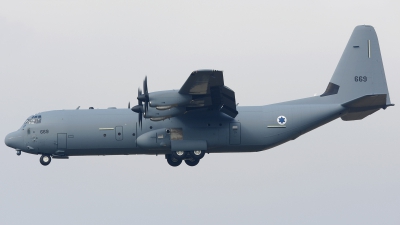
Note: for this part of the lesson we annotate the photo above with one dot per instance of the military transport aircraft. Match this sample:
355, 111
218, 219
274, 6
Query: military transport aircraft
203, 117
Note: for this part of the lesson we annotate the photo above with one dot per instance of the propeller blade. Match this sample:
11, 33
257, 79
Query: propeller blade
146, 95
142, 97
146, 91
139, 97
140, 120
129, 105
139, 108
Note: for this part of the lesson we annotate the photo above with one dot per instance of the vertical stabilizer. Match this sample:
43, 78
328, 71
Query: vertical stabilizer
360, 70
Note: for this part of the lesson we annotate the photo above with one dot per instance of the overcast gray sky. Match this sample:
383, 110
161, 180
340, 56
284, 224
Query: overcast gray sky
64, 54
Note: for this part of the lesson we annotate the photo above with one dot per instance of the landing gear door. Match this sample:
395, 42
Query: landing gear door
234, 133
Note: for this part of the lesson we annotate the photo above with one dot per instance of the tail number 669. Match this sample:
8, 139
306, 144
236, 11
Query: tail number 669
360, 79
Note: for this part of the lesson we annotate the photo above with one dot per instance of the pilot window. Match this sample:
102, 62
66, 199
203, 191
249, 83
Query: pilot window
33, 120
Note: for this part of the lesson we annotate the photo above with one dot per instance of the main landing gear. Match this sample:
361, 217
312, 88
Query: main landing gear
45, 160
192, 158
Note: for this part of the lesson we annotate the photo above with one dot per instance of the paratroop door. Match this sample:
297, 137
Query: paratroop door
61, 141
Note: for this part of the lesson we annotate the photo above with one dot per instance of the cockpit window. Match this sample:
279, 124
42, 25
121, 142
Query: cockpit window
33, 120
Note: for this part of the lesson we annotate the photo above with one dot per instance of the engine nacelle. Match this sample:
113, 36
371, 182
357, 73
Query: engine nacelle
166, 99
155, 139
157, 115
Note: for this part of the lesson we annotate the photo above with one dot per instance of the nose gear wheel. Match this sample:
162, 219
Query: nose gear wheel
45, 160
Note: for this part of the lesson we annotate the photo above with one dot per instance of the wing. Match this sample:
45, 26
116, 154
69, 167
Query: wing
208, 91
201, 81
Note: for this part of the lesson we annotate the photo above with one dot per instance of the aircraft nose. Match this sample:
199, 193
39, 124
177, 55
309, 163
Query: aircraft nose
13, 140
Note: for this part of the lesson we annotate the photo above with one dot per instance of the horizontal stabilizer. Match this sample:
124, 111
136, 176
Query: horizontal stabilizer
362, 107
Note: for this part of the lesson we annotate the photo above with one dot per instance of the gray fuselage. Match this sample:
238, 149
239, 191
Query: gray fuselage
115, 131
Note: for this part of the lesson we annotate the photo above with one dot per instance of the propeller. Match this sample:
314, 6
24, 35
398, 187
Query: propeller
145, 96
139, 108
142, 98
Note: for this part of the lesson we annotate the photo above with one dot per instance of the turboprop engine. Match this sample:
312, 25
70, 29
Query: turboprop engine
162, 100
163, 108
163, 104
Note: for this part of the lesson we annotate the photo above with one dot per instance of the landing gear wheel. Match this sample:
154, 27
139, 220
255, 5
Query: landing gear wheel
192, 162
45, 160
178, 154
197, 154
173, 161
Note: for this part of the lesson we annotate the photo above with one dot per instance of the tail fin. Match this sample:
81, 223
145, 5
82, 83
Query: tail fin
359, 81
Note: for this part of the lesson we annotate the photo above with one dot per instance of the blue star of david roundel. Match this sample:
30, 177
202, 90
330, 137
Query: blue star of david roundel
281, 120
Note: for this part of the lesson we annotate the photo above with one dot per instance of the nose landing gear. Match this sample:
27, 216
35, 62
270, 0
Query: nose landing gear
18, 152
45, 160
